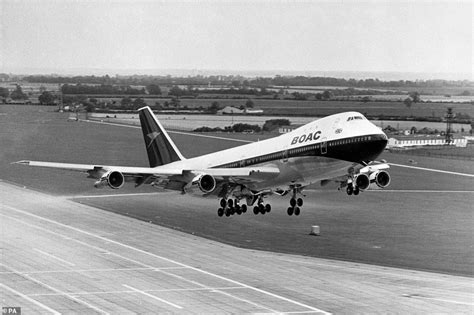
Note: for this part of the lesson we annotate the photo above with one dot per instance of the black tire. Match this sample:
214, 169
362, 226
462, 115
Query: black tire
261, 208
299, 202
292, 202
356, 191
238, 211
268, 208
227, 212
223, 203
255, 210
244, 208
349, 190
290, 211
297, 211
220, 212
230, 203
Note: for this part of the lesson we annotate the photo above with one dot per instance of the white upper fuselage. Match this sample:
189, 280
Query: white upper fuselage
319, 150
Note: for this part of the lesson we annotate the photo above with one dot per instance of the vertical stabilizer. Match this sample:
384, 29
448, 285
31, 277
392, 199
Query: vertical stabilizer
159, 146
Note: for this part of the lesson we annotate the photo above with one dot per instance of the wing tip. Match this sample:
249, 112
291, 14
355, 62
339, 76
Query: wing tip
22, 162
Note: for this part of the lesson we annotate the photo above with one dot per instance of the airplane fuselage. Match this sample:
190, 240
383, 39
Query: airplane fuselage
320, 150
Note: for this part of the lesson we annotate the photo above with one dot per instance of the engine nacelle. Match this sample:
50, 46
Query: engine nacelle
205, 182
113, 179
381, 178
362, 181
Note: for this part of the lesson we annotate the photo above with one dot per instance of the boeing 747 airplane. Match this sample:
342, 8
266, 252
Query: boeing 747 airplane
341, 148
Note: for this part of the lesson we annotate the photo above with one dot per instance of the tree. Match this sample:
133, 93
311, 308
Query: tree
89, 107
408, 102
18, 94
46, 98
176, 91
415, 97
126, 101
249, 103
138, 102
4, 92
153, 89
327, 95
175, 102
215, 106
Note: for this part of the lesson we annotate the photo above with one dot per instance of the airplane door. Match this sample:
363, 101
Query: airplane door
285, 156
324, 146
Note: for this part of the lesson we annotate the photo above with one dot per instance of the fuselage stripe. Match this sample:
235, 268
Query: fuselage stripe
347, 149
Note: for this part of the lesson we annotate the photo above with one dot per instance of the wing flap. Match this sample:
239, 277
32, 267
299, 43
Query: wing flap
238, 172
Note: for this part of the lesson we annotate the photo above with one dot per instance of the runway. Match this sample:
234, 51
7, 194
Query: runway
59, 256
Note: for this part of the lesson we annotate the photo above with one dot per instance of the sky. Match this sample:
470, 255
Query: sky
77, 36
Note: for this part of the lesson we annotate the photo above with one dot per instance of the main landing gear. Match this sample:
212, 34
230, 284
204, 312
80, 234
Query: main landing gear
230, 207
295, 203
261, 208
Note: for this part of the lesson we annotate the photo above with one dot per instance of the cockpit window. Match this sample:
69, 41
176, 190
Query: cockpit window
355, 118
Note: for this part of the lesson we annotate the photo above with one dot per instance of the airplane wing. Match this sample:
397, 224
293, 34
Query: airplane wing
148, 175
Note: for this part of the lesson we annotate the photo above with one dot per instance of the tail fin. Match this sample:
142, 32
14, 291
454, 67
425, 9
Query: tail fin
159, 146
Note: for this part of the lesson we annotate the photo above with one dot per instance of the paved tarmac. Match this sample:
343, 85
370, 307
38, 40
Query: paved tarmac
59, 256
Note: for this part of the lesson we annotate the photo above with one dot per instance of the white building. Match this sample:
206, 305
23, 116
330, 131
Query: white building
423, 140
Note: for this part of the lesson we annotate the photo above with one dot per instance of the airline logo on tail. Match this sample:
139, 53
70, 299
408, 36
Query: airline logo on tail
152, 137
160, 148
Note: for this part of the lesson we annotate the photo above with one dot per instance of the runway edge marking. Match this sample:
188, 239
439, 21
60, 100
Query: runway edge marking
45, 307
66, 294
168, 260
152, 296
432, 170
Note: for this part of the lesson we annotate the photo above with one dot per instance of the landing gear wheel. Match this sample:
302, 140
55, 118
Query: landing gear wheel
292, 202
244, 208
349, 189
290, 211
268, 208
255, 210
227, 213
297, 211
238, 211
220, 212
356, 191
230, 203
223, 203
261, 208
299, 202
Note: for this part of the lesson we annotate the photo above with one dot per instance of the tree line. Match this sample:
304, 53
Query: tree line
239, 81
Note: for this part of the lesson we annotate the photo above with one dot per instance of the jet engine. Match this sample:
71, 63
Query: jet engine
205, 182
113, 179
362, 181
381, 178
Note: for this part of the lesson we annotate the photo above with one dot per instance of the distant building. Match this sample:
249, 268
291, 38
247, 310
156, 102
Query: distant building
423, 140
286, 129
230, 110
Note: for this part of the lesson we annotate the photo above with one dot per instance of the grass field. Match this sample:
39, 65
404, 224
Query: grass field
323, 108
423, 221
